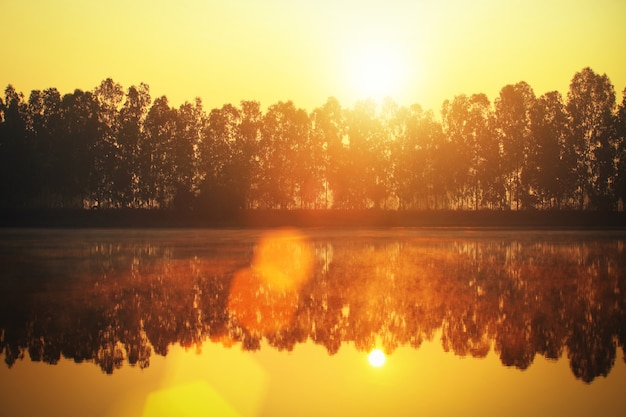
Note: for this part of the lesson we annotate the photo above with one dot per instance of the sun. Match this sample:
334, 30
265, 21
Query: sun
376, 70
377, 358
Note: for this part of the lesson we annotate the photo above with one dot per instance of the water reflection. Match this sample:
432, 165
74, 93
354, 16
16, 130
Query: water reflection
110, 298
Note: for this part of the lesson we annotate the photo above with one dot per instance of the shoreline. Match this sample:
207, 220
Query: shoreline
145, 218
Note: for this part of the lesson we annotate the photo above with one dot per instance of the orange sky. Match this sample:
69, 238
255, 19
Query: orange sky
422, 51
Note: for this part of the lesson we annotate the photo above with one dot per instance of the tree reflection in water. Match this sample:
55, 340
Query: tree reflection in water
522, 295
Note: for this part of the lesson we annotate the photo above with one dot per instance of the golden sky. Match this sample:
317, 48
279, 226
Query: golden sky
420, 51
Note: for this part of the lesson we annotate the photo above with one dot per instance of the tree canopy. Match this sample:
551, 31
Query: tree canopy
111, 148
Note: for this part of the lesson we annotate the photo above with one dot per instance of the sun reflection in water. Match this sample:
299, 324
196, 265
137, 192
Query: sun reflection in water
377, 358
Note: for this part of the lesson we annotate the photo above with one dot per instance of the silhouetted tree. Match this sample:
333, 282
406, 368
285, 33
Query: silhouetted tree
328, 129
76, 148
466, 126
282, 151
219, 185
189, 121
367, 153
620, 131
247, 158
156, 156
414, 152
551, 163
109, 95
131, 117
591, 105
513, 110
45, 128
15, 156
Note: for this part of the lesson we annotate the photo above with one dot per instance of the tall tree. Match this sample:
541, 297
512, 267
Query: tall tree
189, 120
414, 156
131, 118
313, 162
620, 130
591, 106
77, 146
513, 109
466, 125
248, 160
551, 163
392, 117
367, 152
490, 173
283, 160
14, 154
156, 155
45, 127
228, 157
220, 189
109, 95
328, 130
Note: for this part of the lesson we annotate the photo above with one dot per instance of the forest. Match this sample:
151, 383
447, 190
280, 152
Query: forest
111, 148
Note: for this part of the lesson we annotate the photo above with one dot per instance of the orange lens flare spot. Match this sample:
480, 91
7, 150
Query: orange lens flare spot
284, 259
264, 297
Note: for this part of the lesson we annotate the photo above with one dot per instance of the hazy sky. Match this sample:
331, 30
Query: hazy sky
418, 51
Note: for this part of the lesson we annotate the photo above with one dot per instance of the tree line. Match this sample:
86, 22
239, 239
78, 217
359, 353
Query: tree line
111, 148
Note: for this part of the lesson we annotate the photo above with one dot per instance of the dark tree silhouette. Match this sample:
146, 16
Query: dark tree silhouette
591, 106
551, 163
513, 113
620, 134
108, 149
109, 95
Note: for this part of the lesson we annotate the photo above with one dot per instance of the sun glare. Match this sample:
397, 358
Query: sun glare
376, 70
377, 358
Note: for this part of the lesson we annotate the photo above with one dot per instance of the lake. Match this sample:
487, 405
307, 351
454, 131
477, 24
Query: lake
259, 322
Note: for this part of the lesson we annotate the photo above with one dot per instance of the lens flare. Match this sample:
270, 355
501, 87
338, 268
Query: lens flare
264, 297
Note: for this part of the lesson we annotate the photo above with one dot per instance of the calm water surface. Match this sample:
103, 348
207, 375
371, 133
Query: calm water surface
281, 322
